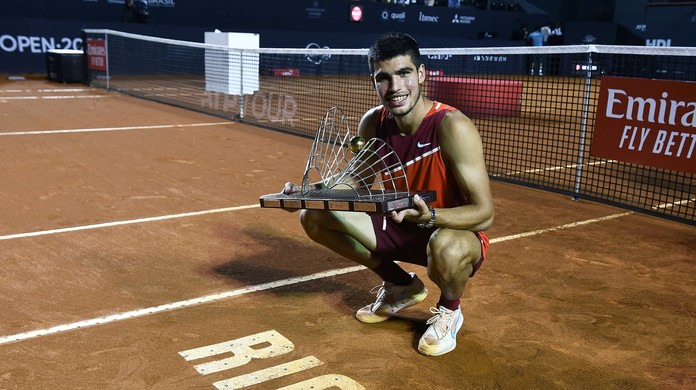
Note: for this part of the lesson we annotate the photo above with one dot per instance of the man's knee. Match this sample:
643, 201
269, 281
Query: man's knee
310, 221
453, 249
316, 221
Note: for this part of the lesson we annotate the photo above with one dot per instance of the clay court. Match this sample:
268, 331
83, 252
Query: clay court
131, 238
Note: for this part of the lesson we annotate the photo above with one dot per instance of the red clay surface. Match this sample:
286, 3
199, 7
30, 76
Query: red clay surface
605, 304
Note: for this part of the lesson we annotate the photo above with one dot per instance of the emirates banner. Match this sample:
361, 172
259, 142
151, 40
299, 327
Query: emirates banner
96, 54
647, 122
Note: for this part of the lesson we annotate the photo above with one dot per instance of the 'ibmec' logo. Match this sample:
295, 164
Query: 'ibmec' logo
428, 18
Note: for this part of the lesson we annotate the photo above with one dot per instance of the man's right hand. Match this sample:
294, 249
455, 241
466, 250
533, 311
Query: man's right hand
290, 188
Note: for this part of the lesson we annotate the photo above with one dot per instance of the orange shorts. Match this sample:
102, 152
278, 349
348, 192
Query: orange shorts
408, 243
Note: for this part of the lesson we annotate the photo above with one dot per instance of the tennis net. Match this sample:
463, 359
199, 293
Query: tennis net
540, 110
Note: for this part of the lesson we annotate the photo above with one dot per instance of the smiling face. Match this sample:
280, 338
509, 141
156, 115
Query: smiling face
397, 82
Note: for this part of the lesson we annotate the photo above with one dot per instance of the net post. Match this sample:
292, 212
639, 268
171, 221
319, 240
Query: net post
106, 49
85, 62
583, 128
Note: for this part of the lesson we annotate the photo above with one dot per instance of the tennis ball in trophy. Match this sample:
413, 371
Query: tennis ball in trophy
356, 144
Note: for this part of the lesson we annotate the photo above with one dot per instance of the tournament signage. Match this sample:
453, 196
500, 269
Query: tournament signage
315, 11
647, 122
96, 54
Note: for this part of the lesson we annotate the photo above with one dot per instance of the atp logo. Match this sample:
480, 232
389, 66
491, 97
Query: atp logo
317, 58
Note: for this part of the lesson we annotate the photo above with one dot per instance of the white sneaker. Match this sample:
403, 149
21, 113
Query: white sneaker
441, 336
391, 299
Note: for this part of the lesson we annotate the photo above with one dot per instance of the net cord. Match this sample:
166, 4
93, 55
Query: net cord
564, 49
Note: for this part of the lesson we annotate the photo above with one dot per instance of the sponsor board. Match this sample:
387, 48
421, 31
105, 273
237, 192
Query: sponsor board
387, 15
96, 54
647, 122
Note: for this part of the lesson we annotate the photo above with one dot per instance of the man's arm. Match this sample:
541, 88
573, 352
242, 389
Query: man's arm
368, 123
463, 151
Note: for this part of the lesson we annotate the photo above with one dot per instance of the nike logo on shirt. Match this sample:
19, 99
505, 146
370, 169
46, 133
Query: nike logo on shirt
420, 145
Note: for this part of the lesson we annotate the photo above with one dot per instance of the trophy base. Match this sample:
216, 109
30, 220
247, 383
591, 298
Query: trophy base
345, 200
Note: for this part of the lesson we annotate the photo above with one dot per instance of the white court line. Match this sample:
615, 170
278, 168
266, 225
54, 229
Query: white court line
53, 97
672, 204
52, 90
96, 129
250, 289
126, 222
75, 97
64, 90
556, 168
566, 226
572, 166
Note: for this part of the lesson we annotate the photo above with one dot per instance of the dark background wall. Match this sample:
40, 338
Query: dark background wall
30, 27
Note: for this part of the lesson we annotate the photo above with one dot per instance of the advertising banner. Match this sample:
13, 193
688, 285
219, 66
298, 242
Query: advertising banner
96, 54
647, 122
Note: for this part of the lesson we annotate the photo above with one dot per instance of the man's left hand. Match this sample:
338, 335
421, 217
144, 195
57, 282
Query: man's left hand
419, 214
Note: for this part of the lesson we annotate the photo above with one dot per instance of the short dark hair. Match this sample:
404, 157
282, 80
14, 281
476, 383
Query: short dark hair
393, 44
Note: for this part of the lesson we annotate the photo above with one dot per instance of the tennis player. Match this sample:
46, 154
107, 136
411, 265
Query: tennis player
441, 150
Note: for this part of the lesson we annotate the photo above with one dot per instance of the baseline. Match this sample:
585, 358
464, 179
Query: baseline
124, 128
60, 97
124, 222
